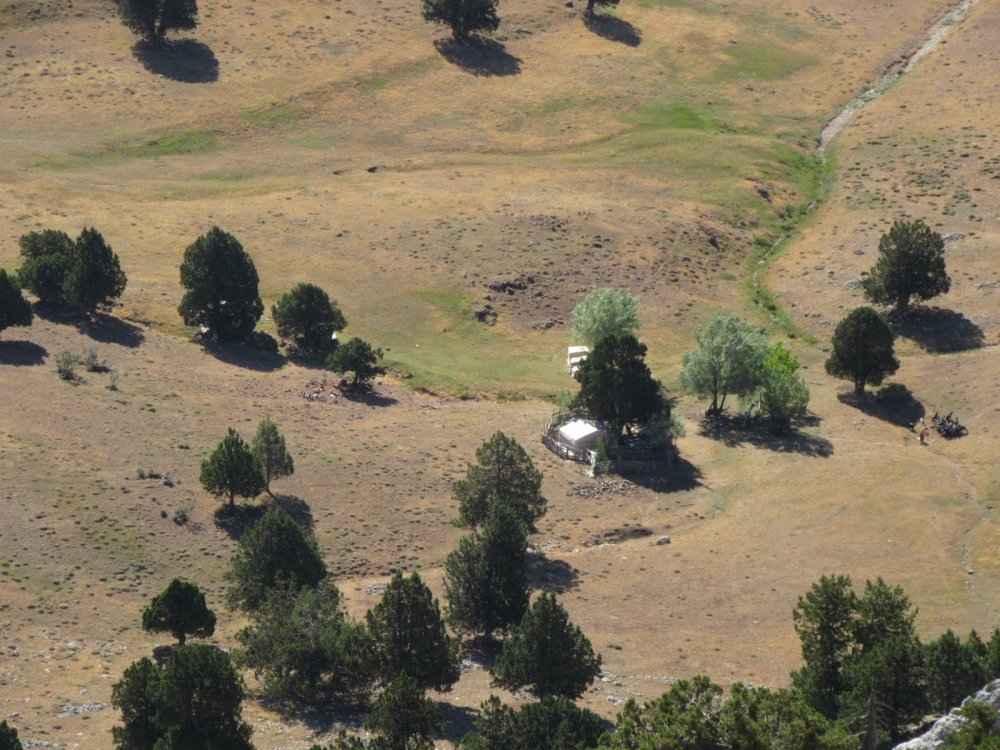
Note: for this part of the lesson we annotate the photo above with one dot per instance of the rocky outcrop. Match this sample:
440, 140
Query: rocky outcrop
935, 736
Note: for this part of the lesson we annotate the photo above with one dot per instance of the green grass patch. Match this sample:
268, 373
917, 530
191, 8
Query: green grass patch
194, 141
312, 142
556, 106
762, 61
674, 115
272, 117
443, 348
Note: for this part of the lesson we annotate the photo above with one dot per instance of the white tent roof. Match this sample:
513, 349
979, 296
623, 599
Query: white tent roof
580, 433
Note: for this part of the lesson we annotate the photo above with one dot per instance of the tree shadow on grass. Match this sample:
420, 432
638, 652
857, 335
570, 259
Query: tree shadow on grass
552, 574
22, 353
323, 715
106, 329
183, 60
483, 651
894, 404
937, 330
234, 520
732, 431
365, 394
259, 358
457, 721
613, 28
111, 330
479, 56
297, 508
680, 475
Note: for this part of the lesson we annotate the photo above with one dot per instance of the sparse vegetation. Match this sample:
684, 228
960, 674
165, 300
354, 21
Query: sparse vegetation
66, 364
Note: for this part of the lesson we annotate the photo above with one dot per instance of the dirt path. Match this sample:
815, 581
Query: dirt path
936, 33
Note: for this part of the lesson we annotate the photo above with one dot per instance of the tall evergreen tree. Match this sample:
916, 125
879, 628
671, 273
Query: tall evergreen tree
47, 256
307, 317
272, 453
503, 475
616, 386
222, 287
8, 737
549, 724
862, 349
910, 264
232, 469
403, 718
410, 636
825, 622
953, 671
276, 552
180, 610
15, 310
547, 654
95, 278
486, 576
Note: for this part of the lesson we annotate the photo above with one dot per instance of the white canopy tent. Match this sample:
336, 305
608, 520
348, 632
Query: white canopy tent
581, 435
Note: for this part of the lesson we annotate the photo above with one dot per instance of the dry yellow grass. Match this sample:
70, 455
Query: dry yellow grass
620, 145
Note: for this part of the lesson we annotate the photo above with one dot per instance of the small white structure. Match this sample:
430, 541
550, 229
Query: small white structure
574, 356
580, 435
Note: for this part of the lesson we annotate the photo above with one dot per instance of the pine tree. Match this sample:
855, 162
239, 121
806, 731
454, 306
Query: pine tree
180, 610
547, 654
862, 349
910, 264
403, 718
15, 310
232, 470
95, 279
410, 636
503, 475
272, 454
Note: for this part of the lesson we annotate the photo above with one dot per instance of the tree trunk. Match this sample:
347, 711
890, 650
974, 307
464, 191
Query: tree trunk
590, 7
181, 637
902, 303
859, 386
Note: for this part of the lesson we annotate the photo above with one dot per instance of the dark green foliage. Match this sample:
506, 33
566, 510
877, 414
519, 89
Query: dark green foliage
783, 393
272, 453
756, 718
48, 256
193, 702
232, 469
504, 475
462, 16
910, 264
356, 356
344, 741
8, 737
692, 716
403, 718
276, 552
979, 732
862, 349
547, 654
136, 696
550, 724
883, 612
486, 576
686, 717
892, 672
222, 287
152, 19
991, 656
410, 636
954, 670
602, 3
306, 317
95, 279
301, 646
825, 622
15, 310
616, 386
180, 610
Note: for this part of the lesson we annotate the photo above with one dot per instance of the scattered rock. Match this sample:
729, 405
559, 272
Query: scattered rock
953, 237
81, 708
662, 540
853, 283
764, 193
486, 314
988, 285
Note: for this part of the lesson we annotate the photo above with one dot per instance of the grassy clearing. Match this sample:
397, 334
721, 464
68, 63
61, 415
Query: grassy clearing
274, 116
